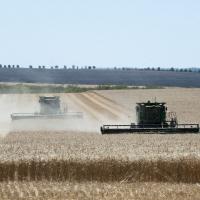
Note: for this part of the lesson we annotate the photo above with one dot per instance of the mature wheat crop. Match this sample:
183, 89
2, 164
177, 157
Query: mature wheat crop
85, 157
88, 146
110, 170
84, 164
95, 190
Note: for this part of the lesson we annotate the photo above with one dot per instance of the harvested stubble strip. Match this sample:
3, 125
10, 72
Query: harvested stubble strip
107, 170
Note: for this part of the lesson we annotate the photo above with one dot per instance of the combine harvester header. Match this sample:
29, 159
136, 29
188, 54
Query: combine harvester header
152, 117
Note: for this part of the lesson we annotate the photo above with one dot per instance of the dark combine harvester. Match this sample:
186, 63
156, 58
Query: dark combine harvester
49, 109
152, 117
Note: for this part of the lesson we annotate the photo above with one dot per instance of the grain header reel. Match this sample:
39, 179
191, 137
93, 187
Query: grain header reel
152, 117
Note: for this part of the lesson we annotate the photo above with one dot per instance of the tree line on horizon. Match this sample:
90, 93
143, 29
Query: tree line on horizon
74, 67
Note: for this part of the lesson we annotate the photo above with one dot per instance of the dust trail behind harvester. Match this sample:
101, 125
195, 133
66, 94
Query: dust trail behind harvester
11, 103
96, 111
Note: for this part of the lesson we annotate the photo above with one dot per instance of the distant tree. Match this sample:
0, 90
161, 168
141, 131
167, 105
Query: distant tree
30, 66
158, 69
65, 67
199, 70
0, 65
56, 67
181, 70
185, 70
18, 66
51, 67
172, 69
89, 67
152, 68
190, 70
5, 66
43, 67
93, 67
73, 66
115, 68
9, 66
13, 66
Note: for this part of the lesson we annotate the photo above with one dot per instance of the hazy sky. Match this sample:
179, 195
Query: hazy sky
107, 33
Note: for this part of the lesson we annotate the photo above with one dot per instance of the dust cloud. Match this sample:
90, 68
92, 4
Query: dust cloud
96, 111
12, 103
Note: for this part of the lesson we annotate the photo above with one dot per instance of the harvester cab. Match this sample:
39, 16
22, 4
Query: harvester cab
154, 114
49, 105
149, 114
50, 108
152, 117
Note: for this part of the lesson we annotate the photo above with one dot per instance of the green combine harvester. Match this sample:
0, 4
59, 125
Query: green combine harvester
152, 117
49, 109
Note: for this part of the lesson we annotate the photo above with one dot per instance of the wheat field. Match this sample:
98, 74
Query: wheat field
72, 160
62, 156
94, 190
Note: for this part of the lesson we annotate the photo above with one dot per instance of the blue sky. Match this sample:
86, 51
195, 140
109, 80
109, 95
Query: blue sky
105, 33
